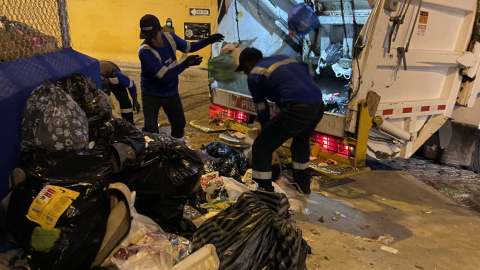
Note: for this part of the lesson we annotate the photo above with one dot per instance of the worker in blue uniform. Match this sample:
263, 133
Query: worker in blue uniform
160, 71
114, 81
286, 82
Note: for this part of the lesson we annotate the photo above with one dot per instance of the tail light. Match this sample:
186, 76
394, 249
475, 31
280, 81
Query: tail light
332, 144
224, 113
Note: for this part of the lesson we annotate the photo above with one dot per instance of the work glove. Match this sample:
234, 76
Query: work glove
136, 105
193, 60
214, 38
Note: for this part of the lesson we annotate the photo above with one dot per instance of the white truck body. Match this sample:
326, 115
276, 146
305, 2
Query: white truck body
438, 83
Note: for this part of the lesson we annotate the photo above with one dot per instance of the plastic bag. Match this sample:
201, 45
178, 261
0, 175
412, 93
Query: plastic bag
234, 188
83, 225
126, 142
169, 168
232, 163
254, 232
53, 121
168, 177
302, 19
141, 225
86, 93
155, 251
70, 166
222, 68
331, 55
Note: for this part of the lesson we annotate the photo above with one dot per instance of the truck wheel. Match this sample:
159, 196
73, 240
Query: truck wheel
475, 167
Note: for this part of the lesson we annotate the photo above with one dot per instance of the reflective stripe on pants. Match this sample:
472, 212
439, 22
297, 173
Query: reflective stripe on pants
300, 166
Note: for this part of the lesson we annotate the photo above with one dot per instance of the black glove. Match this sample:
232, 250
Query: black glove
214, 38
136, 105
193, 60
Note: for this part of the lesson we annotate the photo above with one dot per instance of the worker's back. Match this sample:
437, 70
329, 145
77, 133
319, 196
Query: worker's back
285, 81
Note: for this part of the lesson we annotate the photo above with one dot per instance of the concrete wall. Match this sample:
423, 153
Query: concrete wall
109, 29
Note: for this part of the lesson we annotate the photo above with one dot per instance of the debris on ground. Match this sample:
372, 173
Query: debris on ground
386, 239
418, 266
337, 213
335, 218
331, 161
389, 249
356, 238
323, 193
314, 185
326, 258
426, 211
321, 219
314, 231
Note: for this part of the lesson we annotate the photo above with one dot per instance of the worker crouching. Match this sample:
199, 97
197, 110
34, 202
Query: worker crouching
286, 82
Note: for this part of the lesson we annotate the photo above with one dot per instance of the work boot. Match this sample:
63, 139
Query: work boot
266, 185
304, 186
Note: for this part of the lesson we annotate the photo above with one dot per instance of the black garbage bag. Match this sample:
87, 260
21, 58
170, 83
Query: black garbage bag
224, 166
334, 53
122, 138
121, 131
164, 182
228, 158
86, 93
68, 166
53, 121
82, 226
254, 232
168, 169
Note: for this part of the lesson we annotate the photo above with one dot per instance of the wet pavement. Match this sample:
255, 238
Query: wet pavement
454, 181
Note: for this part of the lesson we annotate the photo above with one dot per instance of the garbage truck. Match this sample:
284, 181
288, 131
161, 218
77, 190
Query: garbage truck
398, 77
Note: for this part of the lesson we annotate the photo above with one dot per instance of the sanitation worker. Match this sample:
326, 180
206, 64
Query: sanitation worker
160, 70
114, 81
286, 82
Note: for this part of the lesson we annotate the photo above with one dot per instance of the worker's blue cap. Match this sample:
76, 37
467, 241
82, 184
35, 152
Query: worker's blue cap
149, 26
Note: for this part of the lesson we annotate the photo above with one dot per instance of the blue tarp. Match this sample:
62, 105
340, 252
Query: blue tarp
17, 80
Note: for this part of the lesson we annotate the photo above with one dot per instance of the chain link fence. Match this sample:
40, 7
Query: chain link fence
32, 27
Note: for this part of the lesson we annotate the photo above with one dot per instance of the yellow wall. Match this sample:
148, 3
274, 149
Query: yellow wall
109, 29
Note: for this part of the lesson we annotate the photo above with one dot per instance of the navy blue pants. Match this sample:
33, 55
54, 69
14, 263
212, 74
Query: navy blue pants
126, 108
173, 109
297, 121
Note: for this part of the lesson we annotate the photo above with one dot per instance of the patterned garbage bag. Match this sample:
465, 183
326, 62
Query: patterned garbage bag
86, 93
53, 121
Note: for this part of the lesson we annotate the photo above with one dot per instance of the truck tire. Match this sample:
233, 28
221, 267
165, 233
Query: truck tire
475, 167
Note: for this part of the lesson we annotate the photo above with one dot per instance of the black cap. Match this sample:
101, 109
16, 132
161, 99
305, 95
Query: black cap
149, 26
248, 54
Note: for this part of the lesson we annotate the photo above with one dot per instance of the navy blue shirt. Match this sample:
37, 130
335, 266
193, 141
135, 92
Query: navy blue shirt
283, 80
160, 68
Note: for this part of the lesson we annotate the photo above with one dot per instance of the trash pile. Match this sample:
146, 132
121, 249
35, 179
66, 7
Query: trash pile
332, 56
94, 191
335, 104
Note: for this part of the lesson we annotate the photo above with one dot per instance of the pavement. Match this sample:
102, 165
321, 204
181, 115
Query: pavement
431, 228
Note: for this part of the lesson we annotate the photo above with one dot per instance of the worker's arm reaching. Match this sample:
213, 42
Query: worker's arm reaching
190, 47
126, 82
153, 65
263, 108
